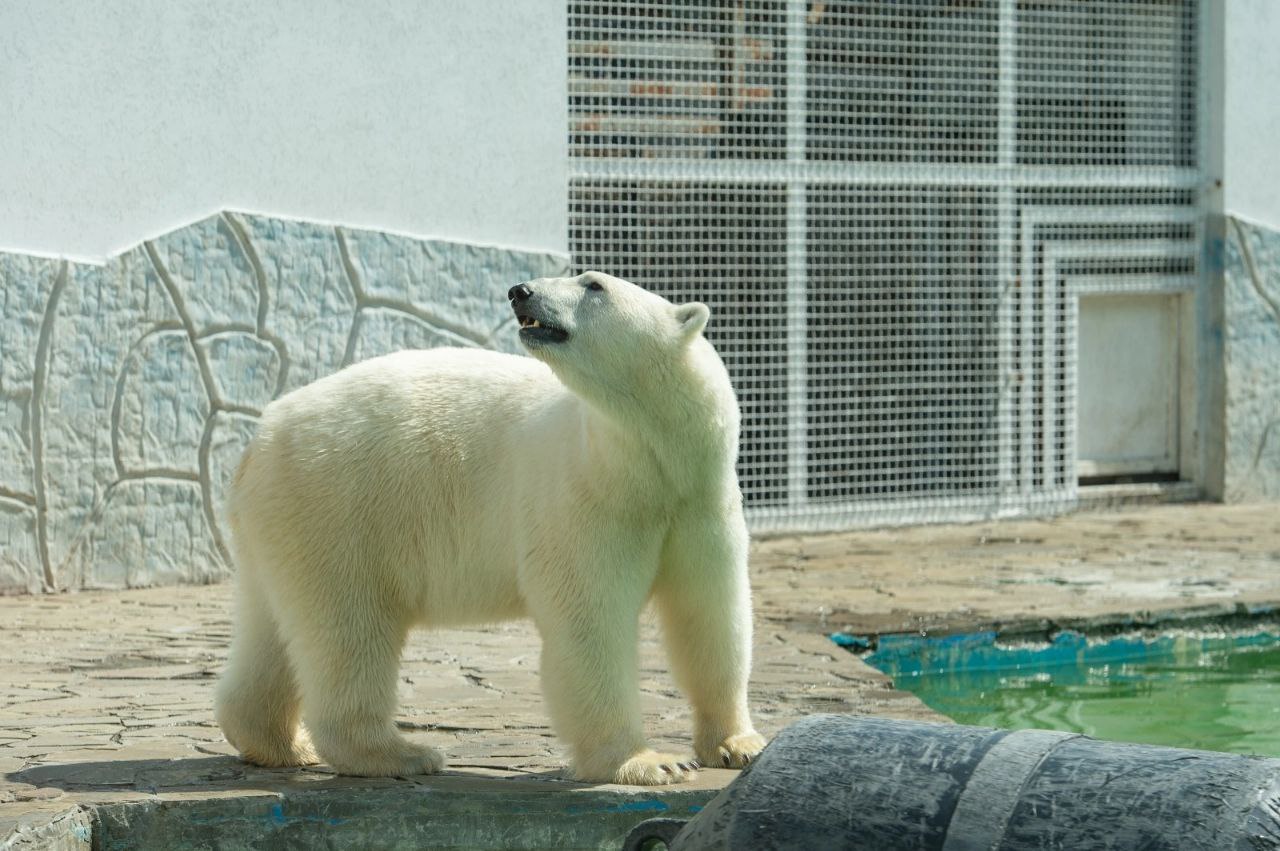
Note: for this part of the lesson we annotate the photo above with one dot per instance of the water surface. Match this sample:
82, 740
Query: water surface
1214, 691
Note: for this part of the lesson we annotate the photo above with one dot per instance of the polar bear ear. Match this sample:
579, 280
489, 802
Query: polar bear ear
692, 318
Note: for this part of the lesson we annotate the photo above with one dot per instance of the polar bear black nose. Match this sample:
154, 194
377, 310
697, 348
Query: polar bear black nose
519, 292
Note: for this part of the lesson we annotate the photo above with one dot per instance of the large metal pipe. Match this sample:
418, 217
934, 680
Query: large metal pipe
844, 782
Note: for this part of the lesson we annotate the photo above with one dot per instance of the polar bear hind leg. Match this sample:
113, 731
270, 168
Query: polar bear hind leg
257, 703
347, 659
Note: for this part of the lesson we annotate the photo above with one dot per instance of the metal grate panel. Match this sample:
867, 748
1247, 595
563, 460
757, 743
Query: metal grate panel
901, 343
727, 234
700, 81
909, 81
891, 208
1106, 82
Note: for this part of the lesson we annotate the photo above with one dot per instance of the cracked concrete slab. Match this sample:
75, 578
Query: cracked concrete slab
1084, 570
105, 702
105, 697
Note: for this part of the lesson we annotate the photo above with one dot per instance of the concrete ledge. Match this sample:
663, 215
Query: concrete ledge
46, 829
452, 811
446, 811
1104, 497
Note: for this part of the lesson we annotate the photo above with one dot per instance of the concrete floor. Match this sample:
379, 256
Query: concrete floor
105, 697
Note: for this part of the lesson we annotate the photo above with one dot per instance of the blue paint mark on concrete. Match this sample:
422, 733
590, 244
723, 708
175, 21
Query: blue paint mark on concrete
641, 807
649, 806
277, 817
83, 832
854, 642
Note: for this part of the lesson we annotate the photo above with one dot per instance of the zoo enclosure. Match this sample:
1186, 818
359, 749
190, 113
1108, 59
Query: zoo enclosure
899, 213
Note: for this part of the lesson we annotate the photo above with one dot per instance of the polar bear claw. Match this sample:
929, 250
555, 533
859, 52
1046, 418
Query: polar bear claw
734, 751
651, 768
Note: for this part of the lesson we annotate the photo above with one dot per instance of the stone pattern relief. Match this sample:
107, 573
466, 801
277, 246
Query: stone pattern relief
129, 390
1252, 281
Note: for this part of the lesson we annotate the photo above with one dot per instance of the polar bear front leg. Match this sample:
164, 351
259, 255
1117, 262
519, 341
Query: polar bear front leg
586, 602
704, 600
589, 680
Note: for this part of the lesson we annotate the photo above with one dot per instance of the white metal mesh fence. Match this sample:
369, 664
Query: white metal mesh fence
890, 208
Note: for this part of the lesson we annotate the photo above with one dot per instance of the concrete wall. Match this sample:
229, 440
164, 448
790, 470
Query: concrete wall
129, 390
1252, 282
1251, 178
131, 375
125, 119
1251, 197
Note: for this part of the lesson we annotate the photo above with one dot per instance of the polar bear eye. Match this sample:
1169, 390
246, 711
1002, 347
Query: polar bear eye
595, 286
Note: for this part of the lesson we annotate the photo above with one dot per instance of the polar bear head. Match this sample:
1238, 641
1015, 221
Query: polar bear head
607, 338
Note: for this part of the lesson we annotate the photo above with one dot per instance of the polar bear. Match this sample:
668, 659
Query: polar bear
461, 486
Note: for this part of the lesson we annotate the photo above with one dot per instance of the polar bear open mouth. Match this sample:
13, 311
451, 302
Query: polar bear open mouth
535, 329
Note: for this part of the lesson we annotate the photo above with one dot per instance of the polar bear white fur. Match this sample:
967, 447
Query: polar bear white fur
462, 486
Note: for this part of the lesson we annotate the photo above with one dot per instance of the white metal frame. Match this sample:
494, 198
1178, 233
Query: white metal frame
1176, 289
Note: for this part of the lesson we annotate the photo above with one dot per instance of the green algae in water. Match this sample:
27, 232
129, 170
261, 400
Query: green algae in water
1195, 690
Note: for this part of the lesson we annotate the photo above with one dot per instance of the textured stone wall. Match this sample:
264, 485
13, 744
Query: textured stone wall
129, 390
1252, 280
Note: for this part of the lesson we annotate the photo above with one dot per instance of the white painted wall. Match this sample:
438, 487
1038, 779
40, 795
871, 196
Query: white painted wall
122, 119
125, 118
1251, 150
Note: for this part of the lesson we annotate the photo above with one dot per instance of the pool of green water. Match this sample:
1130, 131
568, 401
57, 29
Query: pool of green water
1213, 691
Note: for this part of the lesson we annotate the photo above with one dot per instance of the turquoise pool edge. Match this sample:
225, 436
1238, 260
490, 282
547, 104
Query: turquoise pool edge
1213, 686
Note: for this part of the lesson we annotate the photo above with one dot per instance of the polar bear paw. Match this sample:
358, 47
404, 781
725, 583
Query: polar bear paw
301, 752
650, 768
278, 753
403, 759
732, 751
